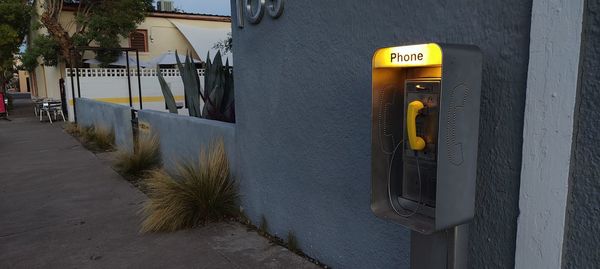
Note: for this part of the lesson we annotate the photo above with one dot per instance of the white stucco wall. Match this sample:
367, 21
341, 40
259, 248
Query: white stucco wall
110, 85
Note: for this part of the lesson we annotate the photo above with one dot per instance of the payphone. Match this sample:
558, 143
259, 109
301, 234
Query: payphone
425, 126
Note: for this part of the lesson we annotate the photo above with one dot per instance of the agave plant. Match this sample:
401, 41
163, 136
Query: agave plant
218, 92
166, 91
191, 84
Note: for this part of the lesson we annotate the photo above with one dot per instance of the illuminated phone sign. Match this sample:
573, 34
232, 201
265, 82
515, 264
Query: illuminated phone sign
407, 56
397, 57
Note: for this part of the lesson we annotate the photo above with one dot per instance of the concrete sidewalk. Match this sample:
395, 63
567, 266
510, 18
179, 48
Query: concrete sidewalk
61, 207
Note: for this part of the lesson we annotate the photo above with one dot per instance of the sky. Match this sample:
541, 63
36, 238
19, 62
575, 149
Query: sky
217, 7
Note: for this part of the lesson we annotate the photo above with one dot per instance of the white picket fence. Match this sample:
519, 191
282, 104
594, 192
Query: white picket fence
110, 85
122, 72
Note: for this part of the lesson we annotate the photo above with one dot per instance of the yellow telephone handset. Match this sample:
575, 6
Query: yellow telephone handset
416, 143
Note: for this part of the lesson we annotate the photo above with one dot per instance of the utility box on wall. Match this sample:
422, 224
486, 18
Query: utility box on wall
424, 134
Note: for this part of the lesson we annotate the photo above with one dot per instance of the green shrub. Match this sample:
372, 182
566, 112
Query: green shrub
145, 158
198, 193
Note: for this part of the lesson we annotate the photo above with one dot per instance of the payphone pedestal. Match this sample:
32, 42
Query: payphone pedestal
447, 249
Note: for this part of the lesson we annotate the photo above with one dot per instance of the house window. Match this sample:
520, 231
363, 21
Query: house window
139, 40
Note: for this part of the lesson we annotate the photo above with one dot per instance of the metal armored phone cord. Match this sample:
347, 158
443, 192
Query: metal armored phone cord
382, 117
389, 187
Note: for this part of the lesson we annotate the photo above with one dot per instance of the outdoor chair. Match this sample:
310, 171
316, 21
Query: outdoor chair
38, 102
37, 106
51, 107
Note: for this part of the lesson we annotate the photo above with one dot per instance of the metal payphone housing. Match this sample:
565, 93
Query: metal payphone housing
432, 188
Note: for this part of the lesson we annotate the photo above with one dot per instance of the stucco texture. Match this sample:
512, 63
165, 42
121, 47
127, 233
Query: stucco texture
183, 137
303, 104
106, 115
582, 234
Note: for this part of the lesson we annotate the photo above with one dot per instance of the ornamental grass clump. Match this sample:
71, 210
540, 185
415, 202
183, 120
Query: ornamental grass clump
195, 194
97, 139
72, 129
292, 242
144, 158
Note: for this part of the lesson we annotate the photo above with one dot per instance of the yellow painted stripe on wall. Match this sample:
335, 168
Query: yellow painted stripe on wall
135, 99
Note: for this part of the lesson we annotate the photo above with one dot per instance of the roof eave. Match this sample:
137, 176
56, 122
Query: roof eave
187, 16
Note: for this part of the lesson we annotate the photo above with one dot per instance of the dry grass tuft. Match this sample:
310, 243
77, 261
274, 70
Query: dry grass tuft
96, 139
86, 133
263, 228
102, 139
145, 158
199, 193
292, 242
72, 129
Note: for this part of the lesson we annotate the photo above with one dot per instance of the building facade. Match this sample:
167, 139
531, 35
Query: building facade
159, 33
303, 104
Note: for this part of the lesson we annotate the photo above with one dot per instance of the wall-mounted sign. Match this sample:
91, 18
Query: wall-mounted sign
254, 10
404, 56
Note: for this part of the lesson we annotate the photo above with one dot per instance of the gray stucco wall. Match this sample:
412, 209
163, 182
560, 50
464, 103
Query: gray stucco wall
582, 236
303, 98
106, 115
182, 137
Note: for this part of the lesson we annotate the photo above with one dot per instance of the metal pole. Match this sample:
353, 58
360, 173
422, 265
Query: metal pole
460, 247
78, 85
128, 79
73, 92
137, 59
446, 249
